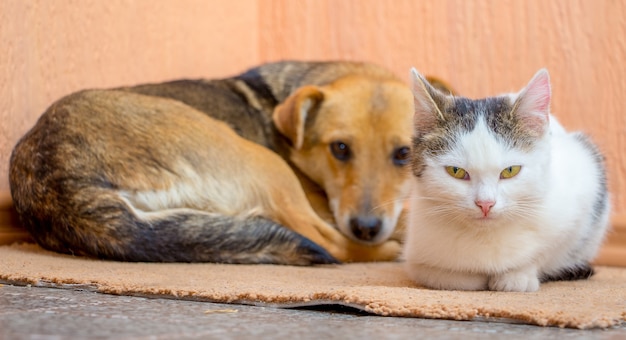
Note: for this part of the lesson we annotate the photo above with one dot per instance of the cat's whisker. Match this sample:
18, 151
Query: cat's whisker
434, 198
390, 202
444, 213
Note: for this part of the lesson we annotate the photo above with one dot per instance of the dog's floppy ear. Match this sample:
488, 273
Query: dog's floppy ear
291, 115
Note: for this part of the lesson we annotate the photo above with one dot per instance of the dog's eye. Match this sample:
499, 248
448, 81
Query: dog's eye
340, 150
401, 156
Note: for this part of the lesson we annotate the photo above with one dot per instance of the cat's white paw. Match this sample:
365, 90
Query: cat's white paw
437, 278
516, 281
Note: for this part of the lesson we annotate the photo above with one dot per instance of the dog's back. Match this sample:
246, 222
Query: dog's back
124, 176
226, 100
247, 101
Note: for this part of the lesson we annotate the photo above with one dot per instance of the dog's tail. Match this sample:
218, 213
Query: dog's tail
107, 227
192, 236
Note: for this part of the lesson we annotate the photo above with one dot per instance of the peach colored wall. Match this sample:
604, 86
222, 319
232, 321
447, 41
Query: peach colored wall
51, 48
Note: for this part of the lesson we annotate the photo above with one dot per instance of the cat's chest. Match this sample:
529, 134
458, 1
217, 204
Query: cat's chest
489, 249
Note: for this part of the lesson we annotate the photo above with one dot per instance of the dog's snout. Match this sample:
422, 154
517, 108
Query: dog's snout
365, 228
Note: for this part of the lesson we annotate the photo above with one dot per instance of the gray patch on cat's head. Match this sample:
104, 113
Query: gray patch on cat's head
460, 116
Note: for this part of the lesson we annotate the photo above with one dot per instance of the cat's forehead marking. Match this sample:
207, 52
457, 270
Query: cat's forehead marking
496, 112
466, 112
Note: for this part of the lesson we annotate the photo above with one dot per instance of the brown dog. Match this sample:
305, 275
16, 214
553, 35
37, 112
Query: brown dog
161, 172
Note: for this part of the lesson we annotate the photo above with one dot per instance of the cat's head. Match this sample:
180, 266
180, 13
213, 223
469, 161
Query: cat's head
481, 160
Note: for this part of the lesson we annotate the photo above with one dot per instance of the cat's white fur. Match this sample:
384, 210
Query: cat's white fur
542, 218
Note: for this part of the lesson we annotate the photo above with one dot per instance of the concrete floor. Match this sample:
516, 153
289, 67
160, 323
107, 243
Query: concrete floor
48, 313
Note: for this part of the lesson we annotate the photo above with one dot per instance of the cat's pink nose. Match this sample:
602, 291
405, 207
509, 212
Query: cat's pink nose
485, 206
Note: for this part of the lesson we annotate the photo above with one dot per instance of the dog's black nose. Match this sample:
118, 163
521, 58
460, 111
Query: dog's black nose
365, 228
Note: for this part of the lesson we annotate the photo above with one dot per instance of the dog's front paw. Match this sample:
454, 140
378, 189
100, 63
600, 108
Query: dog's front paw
389, 251
515, 281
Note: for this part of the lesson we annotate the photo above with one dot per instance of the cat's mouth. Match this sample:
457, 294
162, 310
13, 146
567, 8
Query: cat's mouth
489, 219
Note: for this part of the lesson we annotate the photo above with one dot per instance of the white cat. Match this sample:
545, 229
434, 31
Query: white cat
504, 198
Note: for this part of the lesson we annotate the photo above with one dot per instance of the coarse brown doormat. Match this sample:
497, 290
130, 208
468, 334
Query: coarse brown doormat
378, 288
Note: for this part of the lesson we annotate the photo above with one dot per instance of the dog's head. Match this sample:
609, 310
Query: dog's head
352, 137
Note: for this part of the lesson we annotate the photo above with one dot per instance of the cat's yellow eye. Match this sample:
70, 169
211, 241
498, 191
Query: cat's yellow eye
510, 172
457, 172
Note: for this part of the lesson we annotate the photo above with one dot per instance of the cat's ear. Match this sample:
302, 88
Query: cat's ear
532, 105
428, 102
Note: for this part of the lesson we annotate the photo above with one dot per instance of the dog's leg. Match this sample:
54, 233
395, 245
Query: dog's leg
296, 213
342, 247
